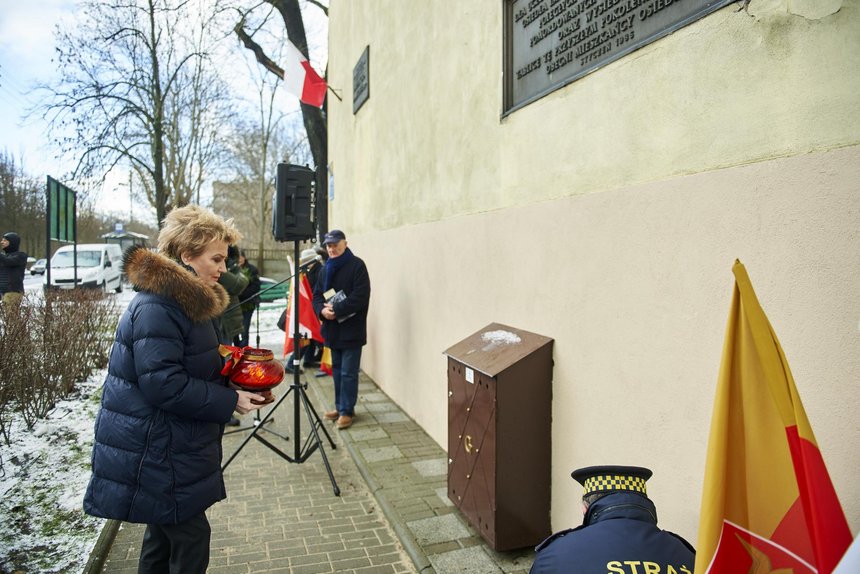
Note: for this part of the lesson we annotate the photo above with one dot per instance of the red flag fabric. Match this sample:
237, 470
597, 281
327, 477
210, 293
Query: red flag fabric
300, 79
768, 504
309, 324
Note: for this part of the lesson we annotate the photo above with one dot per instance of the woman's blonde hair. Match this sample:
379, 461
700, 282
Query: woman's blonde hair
188, 230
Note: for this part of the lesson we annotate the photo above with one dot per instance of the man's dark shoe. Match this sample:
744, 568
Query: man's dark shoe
234, 422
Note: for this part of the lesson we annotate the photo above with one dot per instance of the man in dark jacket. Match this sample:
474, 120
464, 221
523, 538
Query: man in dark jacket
341, 300
234, 282
312, 353
619, 533
248, 297
13, 263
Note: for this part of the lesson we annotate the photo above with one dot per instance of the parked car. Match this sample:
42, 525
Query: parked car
38, 267
275, 293
98, 266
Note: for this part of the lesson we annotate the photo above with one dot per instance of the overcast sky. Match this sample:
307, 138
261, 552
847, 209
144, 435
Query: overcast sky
26, 50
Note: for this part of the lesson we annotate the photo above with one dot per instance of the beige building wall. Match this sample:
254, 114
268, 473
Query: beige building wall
607, 215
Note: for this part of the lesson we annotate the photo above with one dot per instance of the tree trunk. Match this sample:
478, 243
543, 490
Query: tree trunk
314, 118
161, 194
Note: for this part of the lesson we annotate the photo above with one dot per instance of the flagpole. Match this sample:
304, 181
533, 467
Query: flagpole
335, 93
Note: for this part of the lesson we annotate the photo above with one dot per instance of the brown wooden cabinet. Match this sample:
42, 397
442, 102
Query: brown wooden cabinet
499, 434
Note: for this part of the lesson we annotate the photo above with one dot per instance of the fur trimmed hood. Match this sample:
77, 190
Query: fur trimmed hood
155, 273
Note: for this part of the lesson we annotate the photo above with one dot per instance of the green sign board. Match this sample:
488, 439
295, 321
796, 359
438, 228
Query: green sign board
61, 211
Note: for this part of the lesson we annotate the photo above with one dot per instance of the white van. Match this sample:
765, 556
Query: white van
99, 266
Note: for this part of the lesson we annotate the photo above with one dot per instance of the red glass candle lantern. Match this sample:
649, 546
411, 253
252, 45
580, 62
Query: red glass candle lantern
253, 370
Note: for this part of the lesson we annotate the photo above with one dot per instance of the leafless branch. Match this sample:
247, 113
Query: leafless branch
261, 57
319, 5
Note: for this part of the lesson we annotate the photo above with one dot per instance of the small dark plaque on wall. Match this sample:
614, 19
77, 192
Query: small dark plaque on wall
361, 80
551, 43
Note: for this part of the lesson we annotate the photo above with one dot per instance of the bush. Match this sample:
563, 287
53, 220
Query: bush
47, 345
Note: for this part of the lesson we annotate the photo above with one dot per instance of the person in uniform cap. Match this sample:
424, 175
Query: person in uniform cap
619, 533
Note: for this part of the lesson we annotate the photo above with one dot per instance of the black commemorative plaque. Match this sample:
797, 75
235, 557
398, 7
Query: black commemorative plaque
551, 43
361, 80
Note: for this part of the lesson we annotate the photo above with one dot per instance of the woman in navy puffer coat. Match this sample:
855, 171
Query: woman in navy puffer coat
157, 452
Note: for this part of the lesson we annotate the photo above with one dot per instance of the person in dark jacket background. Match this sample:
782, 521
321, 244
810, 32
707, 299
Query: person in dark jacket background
248, 307
157, 452
13, 263
619, 533
313, 352
234, 282
312, 261
341, 300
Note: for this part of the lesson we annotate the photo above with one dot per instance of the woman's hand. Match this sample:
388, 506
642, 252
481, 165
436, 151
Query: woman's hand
245, 405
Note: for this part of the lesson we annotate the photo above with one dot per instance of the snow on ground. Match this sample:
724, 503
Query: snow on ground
44, 476
45, 471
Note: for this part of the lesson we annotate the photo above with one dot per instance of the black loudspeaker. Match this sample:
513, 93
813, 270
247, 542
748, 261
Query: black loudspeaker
291, 205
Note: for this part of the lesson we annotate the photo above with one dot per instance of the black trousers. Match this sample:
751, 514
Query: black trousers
176, 548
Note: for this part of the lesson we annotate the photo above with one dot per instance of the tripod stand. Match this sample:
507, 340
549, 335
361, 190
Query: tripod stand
300, 402
254, 424
255, 297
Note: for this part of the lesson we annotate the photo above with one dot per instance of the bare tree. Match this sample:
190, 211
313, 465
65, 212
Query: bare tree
22, 210
137, 86
314, 118
22, 205
200, 115
256, 151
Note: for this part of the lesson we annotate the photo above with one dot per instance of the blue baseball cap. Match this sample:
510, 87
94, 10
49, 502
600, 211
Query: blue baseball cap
333, 236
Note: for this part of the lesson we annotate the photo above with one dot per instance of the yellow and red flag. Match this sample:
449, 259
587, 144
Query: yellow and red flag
325, 361
309, 323
767, 504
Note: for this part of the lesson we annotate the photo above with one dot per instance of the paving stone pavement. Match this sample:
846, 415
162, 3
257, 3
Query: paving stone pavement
393, 514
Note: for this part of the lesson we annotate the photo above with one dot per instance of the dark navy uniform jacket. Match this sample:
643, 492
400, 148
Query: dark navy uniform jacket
619, 535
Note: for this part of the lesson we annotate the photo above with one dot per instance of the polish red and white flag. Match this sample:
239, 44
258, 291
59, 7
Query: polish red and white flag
300, 79
309, 323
